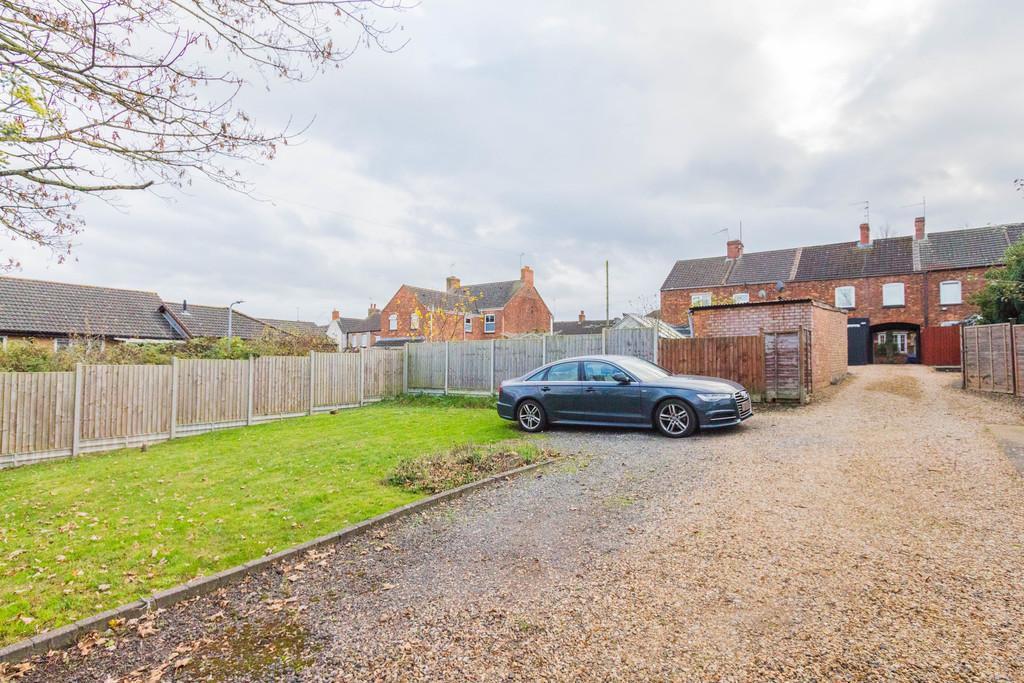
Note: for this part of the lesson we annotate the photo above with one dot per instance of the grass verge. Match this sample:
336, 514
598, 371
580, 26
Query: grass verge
463, 464
81, 536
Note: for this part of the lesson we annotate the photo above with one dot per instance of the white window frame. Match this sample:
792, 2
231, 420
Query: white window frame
3, 342
366, 339
467, 324
901, 342
414, 321
853, 296
393, 322
490, 321
700, 299
741, 298
959, 293
61, 343
891, 296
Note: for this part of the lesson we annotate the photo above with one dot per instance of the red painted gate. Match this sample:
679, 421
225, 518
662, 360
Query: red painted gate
940, 345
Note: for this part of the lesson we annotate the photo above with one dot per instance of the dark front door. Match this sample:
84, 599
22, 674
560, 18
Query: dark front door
604, 399
858, 335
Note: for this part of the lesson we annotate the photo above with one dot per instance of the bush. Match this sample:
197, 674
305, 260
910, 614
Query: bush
462, 465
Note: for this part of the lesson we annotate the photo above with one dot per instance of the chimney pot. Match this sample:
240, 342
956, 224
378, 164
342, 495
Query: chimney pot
583, 317
335, 314
452, 282
371, 310
526, 275
919, 228
184, 305
734, 249
865, 234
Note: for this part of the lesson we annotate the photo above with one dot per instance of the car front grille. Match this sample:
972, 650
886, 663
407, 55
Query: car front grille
743, 405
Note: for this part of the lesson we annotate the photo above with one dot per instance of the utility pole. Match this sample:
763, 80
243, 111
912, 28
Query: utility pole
607, 307
230, 308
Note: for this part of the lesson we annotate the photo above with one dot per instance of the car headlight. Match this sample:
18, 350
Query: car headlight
713, 397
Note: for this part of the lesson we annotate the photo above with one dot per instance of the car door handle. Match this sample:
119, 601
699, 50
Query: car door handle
545, 388
590, 390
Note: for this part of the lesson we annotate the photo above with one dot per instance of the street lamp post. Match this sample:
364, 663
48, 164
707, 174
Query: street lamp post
230, 308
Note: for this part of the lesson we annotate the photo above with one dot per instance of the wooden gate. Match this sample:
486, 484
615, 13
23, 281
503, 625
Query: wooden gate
786, 367
940, 346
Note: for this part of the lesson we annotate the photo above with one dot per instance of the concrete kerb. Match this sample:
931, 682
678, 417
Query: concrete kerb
64, 636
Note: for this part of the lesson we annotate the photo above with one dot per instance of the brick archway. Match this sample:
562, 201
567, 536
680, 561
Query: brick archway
896, 342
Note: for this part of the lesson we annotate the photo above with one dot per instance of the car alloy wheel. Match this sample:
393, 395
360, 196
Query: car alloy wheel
531, 416
675, 419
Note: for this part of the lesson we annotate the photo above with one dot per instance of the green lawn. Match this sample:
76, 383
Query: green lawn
81, 536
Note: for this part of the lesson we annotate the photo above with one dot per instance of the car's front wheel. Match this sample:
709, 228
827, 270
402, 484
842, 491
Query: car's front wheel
530, 416
675, 418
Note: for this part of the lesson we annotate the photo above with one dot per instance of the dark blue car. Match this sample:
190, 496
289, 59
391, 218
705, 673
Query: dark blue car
621, 391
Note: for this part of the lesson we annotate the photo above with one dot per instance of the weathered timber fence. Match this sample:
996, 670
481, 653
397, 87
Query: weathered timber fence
991, 357
740, 359
46, 415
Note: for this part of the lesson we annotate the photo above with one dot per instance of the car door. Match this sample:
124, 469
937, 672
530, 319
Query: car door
560, 391
606, 400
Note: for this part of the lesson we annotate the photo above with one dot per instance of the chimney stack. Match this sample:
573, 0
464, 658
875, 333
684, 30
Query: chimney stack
335, 314
919, 228
583, 317
452, 282
184, 305
734, 249
373, 309
865, 235
526, 275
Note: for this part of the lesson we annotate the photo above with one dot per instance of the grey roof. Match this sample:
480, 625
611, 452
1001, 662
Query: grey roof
55, 308
212, 321
301, 328
763, 266
370, 323
970, 247
475, 298
571, 327
887, 256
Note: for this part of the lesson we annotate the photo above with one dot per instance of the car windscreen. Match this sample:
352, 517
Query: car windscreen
643, 370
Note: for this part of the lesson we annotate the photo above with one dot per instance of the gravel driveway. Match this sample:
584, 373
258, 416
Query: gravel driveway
875, 535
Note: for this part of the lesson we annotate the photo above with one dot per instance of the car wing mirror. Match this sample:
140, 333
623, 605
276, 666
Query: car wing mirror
621, 378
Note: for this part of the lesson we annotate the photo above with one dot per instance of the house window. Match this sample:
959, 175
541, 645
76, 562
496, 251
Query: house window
701, 299
61, 344
3, 343
414, 321
846, 297
392, 322
741, 298
366, 339
892, 294
950, 293
467, 324
901, 342
489, 323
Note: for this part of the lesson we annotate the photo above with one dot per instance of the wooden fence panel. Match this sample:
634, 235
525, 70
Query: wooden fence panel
785, 370
426, 365
515, 357
125, 400
382, 372
281, 385
638, 342
469, 365
569, 346
988, 358
336, 379
212, 391
36, 411
1017, 359
740, 359
940, 346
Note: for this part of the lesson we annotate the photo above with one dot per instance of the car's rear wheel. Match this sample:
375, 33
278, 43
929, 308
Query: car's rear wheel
675, 418
531, 417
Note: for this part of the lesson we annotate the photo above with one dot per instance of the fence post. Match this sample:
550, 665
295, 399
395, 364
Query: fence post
543, 350
312, 384
492, 366
963, 358
174, 397
604, 340
76, 432
446, 368
362, 375
405, 368
248, 391
655, 351
801, 350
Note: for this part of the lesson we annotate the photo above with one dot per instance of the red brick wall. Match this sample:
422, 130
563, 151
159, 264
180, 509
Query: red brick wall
921, 296
524, 312
826, 325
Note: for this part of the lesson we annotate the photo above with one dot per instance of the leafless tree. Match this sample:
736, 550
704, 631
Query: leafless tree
103, 96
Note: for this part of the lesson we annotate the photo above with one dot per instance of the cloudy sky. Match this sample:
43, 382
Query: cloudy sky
564, 133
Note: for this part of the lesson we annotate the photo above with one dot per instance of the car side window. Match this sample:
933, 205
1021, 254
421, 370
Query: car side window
537, 376
563, 372
597, 371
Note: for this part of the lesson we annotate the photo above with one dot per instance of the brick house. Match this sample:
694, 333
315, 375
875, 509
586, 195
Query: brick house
892, 288
354, 333
466, 312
